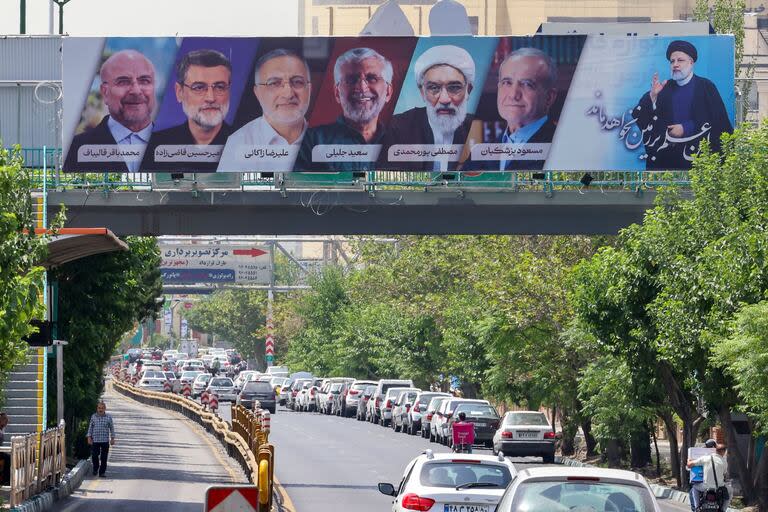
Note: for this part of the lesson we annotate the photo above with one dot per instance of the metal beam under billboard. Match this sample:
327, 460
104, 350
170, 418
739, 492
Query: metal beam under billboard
465, 104
193, 264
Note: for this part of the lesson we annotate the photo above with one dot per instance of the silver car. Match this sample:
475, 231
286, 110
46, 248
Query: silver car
224, 388
200, 383
356, 391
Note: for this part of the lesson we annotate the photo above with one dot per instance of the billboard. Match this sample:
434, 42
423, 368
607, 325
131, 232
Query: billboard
193, 264
344, 105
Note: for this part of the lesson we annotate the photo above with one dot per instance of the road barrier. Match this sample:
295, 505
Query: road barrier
38, 462
213, 402
241, 440
167, 388
186, 390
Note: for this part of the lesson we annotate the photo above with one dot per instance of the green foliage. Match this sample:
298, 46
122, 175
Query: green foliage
744, 355
100, 298
21, 252
238, 316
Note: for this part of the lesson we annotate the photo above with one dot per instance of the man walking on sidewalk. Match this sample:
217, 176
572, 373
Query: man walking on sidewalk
101, 434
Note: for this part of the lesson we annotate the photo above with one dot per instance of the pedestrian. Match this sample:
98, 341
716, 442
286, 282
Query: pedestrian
5, 458
715, 467
101, 434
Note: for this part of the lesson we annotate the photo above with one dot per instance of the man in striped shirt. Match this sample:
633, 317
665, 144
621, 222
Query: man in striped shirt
101, 434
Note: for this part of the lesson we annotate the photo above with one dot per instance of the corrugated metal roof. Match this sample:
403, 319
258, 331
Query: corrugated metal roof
30, 58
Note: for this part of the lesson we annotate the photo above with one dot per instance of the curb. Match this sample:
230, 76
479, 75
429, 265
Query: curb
658, 490
69, 483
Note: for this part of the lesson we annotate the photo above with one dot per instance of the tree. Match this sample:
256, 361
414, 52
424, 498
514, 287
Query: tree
21, 252
100, 298
238, 316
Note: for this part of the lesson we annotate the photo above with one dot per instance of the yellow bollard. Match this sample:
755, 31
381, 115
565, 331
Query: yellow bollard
264, 487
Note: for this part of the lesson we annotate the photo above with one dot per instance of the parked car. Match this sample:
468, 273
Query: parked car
258, 390
453, 482
333, 399
402, 406
381, 389
200, 384
569, 488
413, 418
484, 417
244, 377
427, 418
354, 393
362, 403
388, 402
526, 433
296, 389
224, 388
285, 393
443, 415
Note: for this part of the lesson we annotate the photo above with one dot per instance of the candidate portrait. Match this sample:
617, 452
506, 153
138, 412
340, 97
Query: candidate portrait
127, 88
445, 78
362, 88
283, 89
202, 88
527, 89
677, 113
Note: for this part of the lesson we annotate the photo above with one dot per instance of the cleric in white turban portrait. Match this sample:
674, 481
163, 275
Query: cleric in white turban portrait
445, 77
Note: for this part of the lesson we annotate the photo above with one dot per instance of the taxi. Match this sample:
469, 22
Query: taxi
451, 482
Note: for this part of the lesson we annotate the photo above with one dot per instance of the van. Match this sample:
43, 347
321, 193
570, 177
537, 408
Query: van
381, 389
277, 371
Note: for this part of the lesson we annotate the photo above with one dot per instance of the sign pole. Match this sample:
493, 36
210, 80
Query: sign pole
270, 341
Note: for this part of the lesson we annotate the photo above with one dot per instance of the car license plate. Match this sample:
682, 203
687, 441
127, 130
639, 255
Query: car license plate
527, 435
452, 507
480, 424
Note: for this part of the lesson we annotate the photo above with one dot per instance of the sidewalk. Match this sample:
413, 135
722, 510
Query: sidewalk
159, 462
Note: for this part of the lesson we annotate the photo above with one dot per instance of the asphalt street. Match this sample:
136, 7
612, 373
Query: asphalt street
161, 461
326, 463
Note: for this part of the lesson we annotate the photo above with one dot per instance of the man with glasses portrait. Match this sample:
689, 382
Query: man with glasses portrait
117, 143
282, 86
362, 87
203, 82
445, 77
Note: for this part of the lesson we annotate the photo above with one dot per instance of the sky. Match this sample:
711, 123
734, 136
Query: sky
158, 17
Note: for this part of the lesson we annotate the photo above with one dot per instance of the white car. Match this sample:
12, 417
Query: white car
152, 383
583, 489
200, 383
244, 377
452, 482
525, 433
224, 388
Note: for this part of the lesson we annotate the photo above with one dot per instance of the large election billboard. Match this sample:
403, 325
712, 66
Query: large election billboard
354, 104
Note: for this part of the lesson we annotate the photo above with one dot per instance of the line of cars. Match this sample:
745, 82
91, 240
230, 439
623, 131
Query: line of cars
453, 482
396, 403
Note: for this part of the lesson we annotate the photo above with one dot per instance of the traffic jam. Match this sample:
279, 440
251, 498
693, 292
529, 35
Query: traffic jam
469, 478
466, 480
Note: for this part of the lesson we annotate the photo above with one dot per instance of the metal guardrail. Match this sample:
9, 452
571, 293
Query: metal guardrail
45, 165
38, 462
257, 460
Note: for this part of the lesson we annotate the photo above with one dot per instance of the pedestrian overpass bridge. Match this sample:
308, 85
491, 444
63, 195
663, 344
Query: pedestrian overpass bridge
380, 203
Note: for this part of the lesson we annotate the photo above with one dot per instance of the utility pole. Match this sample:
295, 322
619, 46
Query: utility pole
22, 16
270, 341
61, 4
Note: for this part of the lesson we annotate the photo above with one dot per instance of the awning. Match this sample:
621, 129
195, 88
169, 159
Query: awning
71, 244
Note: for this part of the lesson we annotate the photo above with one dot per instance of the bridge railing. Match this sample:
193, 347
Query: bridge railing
546, 181
38, 462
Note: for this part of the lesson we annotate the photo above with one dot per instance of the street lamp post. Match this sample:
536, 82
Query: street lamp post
59, 379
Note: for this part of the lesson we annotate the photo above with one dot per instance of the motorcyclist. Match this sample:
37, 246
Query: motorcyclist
463, 434
714, 467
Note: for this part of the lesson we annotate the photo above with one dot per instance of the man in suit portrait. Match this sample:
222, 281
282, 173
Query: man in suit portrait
128, 90
445, 76
203, 81
527, 90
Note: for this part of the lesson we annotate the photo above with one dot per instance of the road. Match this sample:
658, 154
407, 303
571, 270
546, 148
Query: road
161, 461
326, 463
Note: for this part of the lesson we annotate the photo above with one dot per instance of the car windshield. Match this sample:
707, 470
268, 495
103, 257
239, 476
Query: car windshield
526, 418
154, 375
189, 375
258, 387
359, 387
477, 411
335, 388
170, 375
203, 377
222, 382
425, 398
454, 405
582, 496
453, 474
387, 387
435, 403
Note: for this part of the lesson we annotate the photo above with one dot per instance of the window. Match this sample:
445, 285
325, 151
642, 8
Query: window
452, 474
523, 418
582, 496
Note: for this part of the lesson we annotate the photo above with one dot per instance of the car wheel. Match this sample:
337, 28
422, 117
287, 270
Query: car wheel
549, 459
273, 410
431, 437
